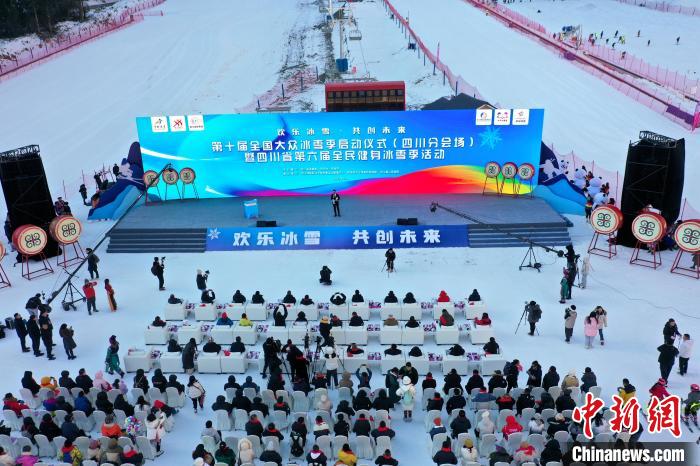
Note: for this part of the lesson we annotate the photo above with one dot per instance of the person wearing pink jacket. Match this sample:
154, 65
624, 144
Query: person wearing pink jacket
26, 458
590, 329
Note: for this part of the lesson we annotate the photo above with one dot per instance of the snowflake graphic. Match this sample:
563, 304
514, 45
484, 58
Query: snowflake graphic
490, 137
213, 233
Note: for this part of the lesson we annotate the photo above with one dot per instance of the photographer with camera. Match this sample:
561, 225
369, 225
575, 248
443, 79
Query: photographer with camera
534, 314
390, 256
202, 279
270, 350
157, 269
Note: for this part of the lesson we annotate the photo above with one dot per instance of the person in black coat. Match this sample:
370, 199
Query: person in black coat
361, 401
306, 301
511, 372
29, 383
201, 280
474, 296
270, 455
66, 381
299, 426
357, 297
382, 431
475, 381
435, 403
550, 379
242, 402
546, 402
412, 322
393, 350
208, 296
121, 403
356, 320
258, 405
362, 426
491, 347
452, 380
391, 298
525, 400
445, 455
429, 382
497, 381
551, 452
534, 375
92, 261
671, 331
338, 299
257, 298
341, 426
46, 332
159, 381
289, 298
345, 408
49, 428
188, 354
102, 403
34, 334
173, 382
237, 346
409, 298
316, 457
667, 357
21, 329
382, 401
325, 274
460, 424
238, 297
254, 426
456, 401
588, 380
564, 401
70, 430
386, 459
83, 381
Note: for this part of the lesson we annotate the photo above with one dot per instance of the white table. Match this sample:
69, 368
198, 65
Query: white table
208, 363
222, 334
310, 311
390, 335
474, 309
298, 332
185, 332
256, 311
233, 363
390, 308
353, 363
413, 336
234, 310
490, 363
339, 335
156, 336
447, 335
460, 363
356, 335
480, 334
175, 312
248, 334
411, 310
438, 307
205, 312
278, 333
171, 362
422, 364
362, 310
136, 359
388, 362
342, 311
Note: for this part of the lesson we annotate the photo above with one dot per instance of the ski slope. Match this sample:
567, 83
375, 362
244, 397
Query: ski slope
200, 57
582, 113
609, 16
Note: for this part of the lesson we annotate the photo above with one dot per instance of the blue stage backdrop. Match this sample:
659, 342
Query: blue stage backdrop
384, 237
426, 152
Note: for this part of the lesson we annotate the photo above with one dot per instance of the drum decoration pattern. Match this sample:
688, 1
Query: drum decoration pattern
492, 169
526, 171
648, 227
149, 177
170, 176
606, 219
687, 236
187, 175
65, 229
29, 240
509, 170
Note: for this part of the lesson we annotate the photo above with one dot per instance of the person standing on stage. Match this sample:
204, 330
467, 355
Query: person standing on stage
92, 261
110, 295
157, 269
89, 292
335, 200
21, 329
46, 331
390, 258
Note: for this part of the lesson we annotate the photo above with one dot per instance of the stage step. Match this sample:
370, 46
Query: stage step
499, 236
158, 240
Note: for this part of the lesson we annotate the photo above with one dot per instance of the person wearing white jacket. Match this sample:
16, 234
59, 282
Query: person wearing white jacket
407, 394
245, 451
684, 353
485, 425
155, 430
332, 369
469, 453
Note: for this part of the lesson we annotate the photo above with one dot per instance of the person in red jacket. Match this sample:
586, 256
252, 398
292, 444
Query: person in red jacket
511, 427
89, 292
12, 403
485, 319
659, 389
443, 298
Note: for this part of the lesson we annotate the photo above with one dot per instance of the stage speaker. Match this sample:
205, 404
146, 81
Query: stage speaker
26, 191
654, 175
407, 221
266, 223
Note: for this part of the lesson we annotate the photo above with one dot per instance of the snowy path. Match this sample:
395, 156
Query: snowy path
200, 57
582, 113
610, 15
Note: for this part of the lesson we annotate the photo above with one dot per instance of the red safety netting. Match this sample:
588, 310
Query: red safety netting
665, 6
13, 62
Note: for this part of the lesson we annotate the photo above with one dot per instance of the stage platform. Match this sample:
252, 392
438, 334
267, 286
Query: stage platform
182, 226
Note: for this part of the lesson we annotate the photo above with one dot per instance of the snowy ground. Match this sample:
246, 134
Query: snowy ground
582, 113
198, 58
610, 16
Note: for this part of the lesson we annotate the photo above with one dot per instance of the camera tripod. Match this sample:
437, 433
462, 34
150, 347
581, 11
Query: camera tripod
531, 260
386, 267
69, 297
522, 316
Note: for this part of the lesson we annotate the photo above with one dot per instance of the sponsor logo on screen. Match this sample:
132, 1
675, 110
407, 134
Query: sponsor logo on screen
177, 124
159, 124
521, 116
502, 117
484, 116
195, 122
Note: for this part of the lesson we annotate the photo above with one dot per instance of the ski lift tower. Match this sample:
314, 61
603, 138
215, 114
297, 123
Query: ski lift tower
339, 18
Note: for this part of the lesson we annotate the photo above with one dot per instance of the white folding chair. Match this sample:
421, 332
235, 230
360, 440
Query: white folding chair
429, 420
12, 420
145, 448
175, 398
209, 444
46, 448
324, 443
363, 447
337, 443
280, 419
27, 396
300, 401
345, 393
223, 421
240, 417
437, 441
383, 443
487, 445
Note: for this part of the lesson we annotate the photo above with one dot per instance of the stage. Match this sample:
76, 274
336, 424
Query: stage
197, 225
